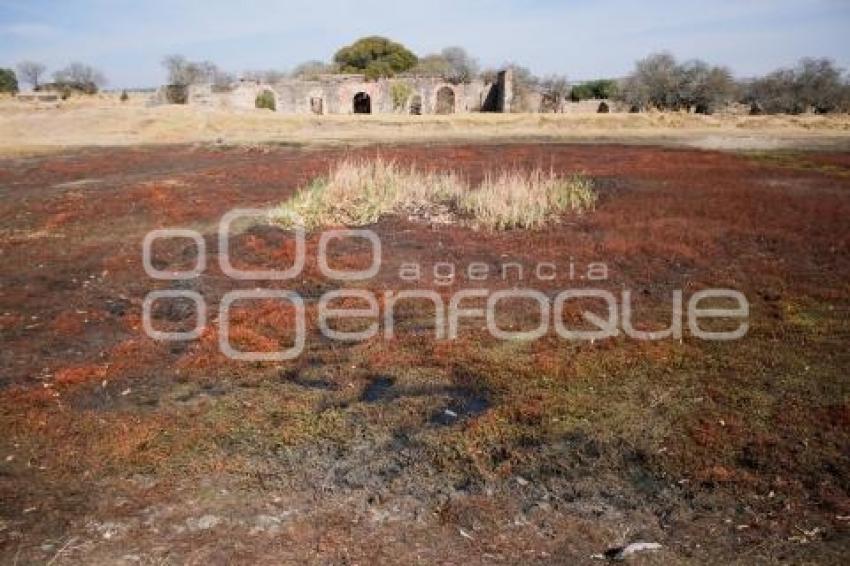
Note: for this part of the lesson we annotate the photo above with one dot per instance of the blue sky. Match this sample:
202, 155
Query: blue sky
127, 39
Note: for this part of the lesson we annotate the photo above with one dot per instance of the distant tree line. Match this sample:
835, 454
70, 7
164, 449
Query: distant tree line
603, 88
658, 81
813, 85
76, 77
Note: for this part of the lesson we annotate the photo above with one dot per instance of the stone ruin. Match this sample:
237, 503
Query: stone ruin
353, 94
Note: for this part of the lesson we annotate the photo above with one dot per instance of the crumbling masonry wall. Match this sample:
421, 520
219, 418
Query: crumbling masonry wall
334, 94
337, 93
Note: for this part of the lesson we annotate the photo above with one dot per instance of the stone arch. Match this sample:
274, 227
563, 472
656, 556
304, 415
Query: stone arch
445, 100
362, 103
416, 105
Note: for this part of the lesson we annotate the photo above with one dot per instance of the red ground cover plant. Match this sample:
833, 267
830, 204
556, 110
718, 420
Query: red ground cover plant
671, 440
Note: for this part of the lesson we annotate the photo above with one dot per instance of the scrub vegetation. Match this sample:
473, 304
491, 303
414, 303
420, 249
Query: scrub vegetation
357, 193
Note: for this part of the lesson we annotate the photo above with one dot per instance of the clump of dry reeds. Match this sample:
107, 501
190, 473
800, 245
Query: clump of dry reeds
357, 193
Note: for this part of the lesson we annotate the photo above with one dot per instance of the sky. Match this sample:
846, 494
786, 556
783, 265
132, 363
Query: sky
583, 39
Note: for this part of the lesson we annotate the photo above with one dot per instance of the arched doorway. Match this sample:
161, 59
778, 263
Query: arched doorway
362, 103
445, 101
416, 105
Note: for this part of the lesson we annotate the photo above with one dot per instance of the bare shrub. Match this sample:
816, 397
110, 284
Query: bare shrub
311, 70
183, 72
655, 82
433, 65
555, 89
269, 76
462, 67
30, 72
453, 64
814, 85
705, 88
78, 77
177, 94
660, 82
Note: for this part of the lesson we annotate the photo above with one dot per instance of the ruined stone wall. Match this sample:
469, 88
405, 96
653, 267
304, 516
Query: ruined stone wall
505, 91
334, 94
337, 95
591, 106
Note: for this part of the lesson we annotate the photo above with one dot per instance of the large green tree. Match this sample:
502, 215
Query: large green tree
602, 88
376, 57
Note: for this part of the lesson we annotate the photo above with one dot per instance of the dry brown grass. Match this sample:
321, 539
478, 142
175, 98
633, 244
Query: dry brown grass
357, 193
103, 120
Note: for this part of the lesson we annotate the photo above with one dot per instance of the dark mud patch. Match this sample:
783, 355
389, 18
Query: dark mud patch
204, 391
318, 383
113, 397
379, 389
175, 254
456, 403
464, 403
609, 187
176, 309
297, 377
149, 394
131, 395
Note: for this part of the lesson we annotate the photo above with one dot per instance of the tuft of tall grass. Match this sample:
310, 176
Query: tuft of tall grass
357, 193
518, 199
